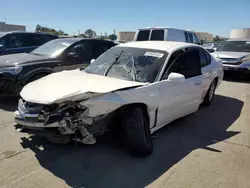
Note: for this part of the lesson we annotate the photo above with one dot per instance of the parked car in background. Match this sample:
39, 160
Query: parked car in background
211, 47
166, 34
137, 87
17, 70
119, 41
21, 41
235, 55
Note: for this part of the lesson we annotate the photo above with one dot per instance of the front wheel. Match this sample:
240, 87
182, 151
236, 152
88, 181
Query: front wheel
210, 94
137, 131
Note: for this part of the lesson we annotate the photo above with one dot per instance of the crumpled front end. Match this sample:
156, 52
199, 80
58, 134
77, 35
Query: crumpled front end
80, 119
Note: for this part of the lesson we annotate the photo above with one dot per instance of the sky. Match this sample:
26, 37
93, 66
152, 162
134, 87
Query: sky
214, 16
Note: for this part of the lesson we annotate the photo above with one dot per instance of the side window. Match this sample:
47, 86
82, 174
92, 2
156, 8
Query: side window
191, 40
3, 41
47, 38
188, 64
196, 40
143, 35
186, 36
208, 56
15, 41
100, 47
83, 50
203, 58
157, 35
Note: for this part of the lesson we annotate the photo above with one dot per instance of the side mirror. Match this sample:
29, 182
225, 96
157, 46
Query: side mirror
176, 77
201, 42
92, 60
1, 48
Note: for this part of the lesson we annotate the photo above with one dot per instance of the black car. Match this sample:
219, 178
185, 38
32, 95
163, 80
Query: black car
17, 70
21, 41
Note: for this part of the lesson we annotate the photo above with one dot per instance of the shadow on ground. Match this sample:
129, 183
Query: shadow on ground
236, 77
106, 164
8, 103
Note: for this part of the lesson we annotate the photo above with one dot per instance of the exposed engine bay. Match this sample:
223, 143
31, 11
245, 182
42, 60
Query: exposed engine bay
66, 119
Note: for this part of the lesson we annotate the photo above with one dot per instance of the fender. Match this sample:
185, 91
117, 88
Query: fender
37, 71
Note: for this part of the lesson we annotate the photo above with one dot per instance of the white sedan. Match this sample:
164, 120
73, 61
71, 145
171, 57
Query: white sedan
136, 87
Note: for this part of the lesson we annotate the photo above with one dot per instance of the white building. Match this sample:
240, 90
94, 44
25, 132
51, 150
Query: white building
205, 36
125, 36
10, 27
240, 33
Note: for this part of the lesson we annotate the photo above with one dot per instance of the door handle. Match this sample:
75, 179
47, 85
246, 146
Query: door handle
198, 82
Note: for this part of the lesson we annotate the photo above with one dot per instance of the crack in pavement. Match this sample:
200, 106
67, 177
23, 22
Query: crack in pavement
15, 154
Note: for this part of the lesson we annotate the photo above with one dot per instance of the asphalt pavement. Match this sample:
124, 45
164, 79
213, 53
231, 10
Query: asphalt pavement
210, 148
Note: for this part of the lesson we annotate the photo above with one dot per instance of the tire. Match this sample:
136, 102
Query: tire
137, 132
210, 94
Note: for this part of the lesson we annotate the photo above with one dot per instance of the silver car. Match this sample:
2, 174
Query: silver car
235, 55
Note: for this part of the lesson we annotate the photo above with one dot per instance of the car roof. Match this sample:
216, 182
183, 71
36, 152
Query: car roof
239, 39
146, 28
23, 32
158, 45
76, 39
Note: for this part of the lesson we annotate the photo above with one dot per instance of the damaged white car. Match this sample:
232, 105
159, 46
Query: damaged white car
137, 87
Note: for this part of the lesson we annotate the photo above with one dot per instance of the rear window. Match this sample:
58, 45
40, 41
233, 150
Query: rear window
143, 35
157, 35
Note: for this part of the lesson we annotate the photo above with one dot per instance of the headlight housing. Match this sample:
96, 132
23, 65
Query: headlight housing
11, 70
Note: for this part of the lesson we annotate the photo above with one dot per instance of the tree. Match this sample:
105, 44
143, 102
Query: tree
216, 38
89, 33
40, 28
112, 37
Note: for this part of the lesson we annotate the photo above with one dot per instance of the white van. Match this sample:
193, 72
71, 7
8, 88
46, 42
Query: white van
168, 34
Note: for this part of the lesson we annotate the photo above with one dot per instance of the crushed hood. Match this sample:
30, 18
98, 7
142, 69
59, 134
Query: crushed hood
71, 86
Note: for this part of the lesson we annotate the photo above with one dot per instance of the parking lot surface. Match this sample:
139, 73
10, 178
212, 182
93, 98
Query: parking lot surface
210, 148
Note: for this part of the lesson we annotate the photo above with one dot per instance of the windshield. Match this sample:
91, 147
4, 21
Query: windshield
127, 63
235, 46
52, 48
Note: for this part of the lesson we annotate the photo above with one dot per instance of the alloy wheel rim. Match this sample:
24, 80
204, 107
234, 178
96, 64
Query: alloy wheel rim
211, 92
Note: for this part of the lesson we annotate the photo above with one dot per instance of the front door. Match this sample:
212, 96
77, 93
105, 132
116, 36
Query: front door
181, 98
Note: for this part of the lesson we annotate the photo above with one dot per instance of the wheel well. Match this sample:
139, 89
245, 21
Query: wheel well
216, 79
118, 113
37, 74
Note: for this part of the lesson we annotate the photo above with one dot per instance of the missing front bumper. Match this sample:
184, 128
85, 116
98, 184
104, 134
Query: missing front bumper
25, 122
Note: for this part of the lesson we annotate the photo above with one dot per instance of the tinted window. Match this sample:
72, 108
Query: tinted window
143, 35
186, 36
83, 50
3, 41
203, 59
191, 40
100, 47
127, 63
188, 64
157, 35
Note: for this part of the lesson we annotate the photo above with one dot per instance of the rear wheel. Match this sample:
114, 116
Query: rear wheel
137, 131
210, 94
